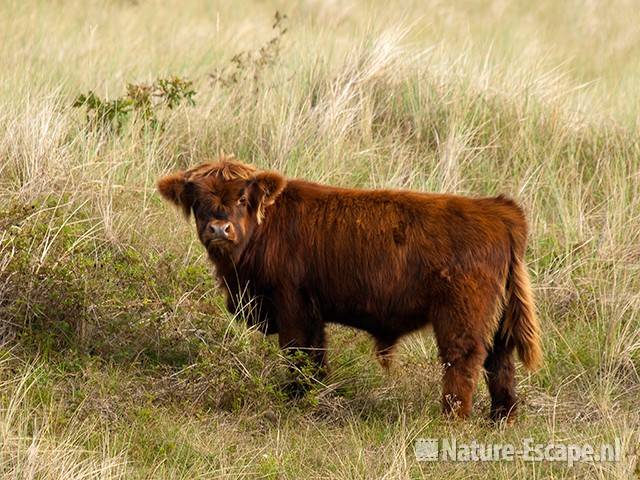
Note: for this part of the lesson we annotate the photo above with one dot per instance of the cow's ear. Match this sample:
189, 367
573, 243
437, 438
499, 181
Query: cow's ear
269, 186
177, 189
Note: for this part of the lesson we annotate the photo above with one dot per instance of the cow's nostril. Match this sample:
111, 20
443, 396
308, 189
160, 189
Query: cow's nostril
223, 230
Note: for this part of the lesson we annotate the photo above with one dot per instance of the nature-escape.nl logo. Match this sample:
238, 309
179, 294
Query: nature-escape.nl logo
450, 449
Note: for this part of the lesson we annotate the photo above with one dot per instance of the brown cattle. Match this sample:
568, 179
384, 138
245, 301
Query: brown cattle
384, 261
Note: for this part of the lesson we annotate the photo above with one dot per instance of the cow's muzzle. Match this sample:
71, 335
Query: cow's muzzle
221, 230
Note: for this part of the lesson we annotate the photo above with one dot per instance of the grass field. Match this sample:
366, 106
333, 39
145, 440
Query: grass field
117, 358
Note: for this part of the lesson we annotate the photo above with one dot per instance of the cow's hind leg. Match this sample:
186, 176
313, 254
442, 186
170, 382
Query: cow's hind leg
462, 352
385, 346
500, 376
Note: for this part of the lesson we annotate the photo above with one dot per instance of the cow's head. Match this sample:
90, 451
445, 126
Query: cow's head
228, 200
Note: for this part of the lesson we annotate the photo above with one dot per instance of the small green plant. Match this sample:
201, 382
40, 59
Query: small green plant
143, 99
102, 113
175, 90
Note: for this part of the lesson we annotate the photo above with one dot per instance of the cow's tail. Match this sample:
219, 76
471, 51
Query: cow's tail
519, 323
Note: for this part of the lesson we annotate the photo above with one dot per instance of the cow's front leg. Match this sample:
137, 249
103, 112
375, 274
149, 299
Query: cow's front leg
301, 337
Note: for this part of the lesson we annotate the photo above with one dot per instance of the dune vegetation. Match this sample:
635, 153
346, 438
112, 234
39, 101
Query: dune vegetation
117, 357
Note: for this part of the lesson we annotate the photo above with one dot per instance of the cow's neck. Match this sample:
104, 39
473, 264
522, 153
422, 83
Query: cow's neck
227, 267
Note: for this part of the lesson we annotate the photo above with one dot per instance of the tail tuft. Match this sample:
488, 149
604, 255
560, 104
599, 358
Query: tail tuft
520, 323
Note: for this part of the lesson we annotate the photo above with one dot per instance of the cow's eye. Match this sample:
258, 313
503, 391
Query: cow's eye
242, 200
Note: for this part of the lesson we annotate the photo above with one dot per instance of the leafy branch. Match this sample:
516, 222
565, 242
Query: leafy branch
250, 64
144, 99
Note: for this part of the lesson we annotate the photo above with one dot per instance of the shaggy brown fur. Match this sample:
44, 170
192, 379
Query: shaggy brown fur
387, 262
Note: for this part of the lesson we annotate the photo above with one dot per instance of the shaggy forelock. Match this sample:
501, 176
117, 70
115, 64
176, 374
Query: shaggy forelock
227, 168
